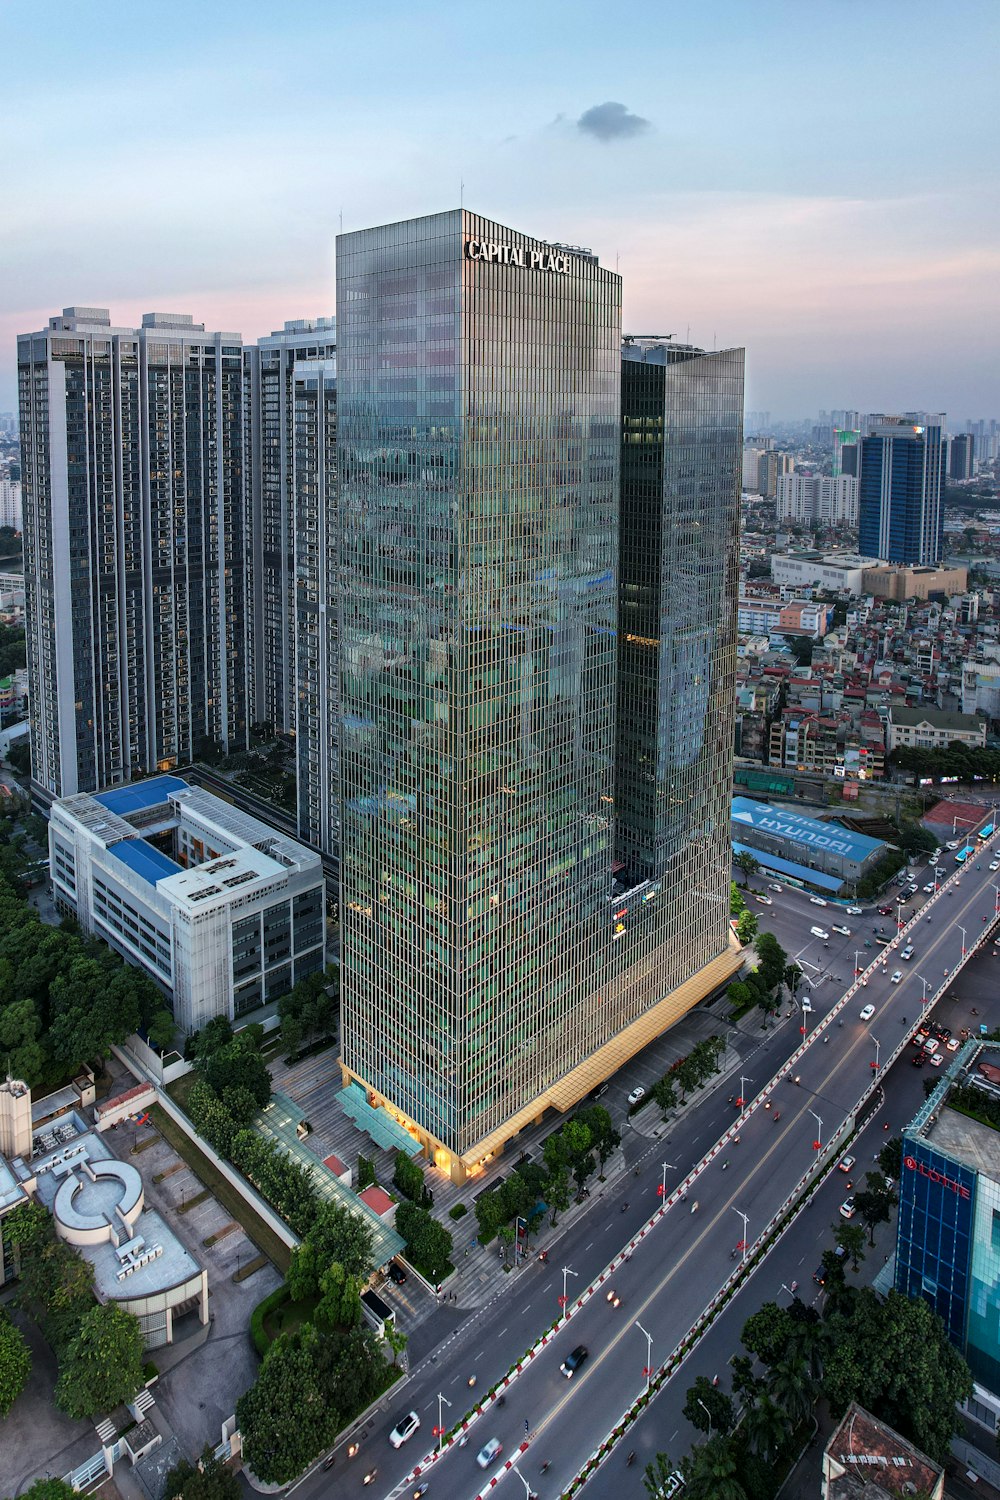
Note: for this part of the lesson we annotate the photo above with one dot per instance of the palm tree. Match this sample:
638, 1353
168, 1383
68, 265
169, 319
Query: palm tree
809, 1340
790, 1386
710, 1472
765, 1427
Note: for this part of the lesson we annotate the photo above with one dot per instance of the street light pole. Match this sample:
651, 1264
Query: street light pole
877, 1045
707, 1413
746, 1233
743, 1089
663, 1181
857, 965
649, 1354
563, 1299
996, 888
962, 931
442, 1400
923, 981
819, 1133
528, 1491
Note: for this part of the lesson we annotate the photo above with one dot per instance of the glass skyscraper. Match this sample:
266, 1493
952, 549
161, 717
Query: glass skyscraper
901, 493
490, 958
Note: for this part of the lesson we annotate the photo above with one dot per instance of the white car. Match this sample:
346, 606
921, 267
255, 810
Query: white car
953, 1043
930, 888
486, 1455
855, 911
847, 1209
846, 1163
764, 900
404, 1429
867, 1013
995, 865
637, 1093
907, 952
844, 931
951, 844
817, 900
820, 933
896, 976
773, 887
937, 1059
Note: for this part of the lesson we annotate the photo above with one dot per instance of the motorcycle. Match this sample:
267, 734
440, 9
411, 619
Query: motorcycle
613, 1298
370, 1477
694, 1205
776, 1116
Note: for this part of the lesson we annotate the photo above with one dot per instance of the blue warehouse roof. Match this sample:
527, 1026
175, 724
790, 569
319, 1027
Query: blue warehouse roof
124, 800
809, 833
145, 859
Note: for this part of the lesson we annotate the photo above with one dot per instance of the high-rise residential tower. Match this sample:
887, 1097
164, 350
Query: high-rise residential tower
901, 490
492, 963
275, 452
132, 454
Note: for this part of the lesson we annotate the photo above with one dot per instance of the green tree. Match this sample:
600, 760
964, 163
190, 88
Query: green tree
746, 927
851, 1239
688, 1076
894, 1358
396, 1340
708, 1408
890, 1158
366, 1173
710, 1471
292, 1033
336, 1236
15, 1362
873, 1208
209, 1479
737, 902
604, 1137
771, 960
286, 1417
20, 1039
102, 1365
557, 1193
766, 1332
747, 1384
791, 1387
746, 862
238, 1064
765, 1428
428, 1243
505, 1234
657, 1476
161, 1029
792, 978
50, 1489
665, 1095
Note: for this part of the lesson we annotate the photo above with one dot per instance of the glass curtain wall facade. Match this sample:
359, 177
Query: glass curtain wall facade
682, 414
478, 462
133, 544
901, 490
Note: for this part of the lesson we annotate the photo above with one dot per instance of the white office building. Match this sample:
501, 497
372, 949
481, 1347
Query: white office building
224, 913
834, 571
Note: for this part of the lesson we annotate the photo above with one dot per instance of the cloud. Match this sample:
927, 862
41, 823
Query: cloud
611, 122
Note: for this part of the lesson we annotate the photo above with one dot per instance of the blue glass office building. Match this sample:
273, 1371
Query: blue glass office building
948, 1239
489, 957
901, 492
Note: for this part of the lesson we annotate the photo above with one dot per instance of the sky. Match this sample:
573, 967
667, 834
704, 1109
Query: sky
814, 180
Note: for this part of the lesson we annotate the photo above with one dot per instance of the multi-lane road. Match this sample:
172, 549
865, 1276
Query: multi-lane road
677, 1268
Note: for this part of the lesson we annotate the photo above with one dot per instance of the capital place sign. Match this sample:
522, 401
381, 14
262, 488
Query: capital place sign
501, 253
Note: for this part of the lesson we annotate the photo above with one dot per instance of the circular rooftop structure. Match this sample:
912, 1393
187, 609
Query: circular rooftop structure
97, 1201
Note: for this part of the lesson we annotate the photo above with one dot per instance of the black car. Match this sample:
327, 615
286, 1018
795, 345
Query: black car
572, 1363
941, 1032
396, 1273
919, 1058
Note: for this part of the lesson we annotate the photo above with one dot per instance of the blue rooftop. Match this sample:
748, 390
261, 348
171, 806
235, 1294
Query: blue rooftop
145, 859
831, 838
791, 870
124, 800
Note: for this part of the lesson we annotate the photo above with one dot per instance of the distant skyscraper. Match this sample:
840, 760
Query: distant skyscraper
961, 458
272, 449
846, 451
132, 455
10, 503
492, 967
902, 476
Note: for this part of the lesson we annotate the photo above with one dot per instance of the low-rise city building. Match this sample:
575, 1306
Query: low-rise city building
223, 912
932, 729
813, 853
